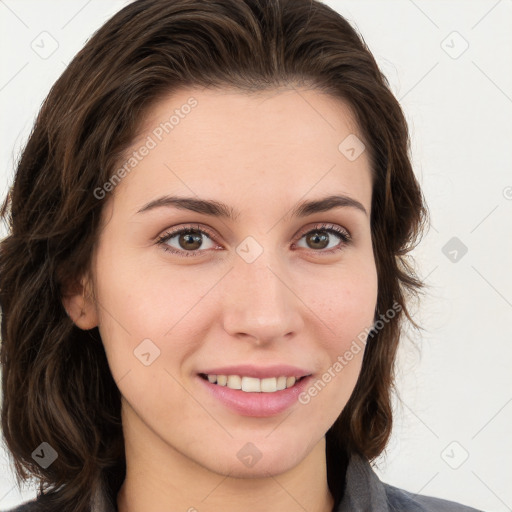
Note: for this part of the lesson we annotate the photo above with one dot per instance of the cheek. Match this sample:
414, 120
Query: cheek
346, 305
142, 298
345, 308
139, 301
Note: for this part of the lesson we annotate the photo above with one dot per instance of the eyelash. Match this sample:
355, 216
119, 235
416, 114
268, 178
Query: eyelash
327, 228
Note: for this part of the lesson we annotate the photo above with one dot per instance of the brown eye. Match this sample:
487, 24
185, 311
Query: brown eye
317, 240
190, 241
186, 241
320, 238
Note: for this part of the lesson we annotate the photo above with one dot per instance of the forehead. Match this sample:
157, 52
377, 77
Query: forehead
271, 143
308, 114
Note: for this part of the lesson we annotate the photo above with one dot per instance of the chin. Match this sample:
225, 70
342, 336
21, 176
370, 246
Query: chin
262, 469
260, 458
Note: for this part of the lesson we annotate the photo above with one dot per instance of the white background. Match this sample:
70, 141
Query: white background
455, 378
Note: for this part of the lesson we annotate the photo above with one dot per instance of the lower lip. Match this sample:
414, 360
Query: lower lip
257, 404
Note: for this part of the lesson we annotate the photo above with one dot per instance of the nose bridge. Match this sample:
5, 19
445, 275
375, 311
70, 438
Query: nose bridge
259, 301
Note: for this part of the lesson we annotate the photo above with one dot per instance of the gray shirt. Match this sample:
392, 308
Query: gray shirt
364, 492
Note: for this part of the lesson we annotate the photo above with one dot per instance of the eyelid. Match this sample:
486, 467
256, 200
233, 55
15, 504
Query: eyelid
340, 231
172, 232
321, 226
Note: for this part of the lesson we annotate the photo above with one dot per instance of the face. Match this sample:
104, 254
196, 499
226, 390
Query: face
264, 294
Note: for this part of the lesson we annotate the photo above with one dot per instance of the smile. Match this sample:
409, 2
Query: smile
252, 384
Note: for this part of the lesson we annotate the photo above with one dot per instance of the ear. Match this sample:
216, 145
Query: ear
79, 303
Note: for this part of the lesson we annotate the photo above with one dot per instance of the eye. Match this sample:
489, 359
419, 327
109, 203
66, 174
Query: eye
191, 238
320, 237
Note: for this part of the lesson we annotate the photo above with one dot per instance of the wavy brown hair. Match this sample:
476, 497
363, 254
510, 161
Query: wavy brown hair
56, 383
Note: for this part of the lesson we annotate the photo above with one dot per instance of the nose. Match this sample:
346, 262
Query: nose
260, 303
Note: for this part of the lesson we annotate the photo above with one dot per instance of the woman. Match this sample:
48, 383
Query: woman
205, 280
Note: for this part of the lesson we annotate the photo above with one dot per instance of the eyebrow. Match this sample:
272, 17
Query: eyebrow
218, 209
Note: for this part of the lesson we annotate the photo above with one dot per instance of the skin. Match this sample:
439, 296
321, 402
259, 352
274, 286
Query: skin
261, 154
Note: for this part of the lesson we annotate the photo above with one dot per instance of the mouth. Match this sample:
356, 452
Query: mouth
258, 392
253, 384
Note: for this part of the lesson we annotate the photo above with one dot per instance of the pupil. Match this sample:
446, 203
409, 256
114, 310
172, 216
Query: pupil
191, 238
316, 239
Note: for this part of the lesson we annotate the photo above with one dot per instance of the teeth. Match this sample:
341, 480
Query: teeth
252, 384
234, 382
281, 383
269, 385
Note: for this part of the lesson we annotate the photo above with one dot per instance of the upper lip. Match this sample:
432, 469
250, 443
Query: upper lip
260, 372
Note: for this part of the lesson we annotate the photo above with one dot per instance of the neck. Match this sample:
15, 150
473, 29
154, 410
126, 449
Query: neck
158, 477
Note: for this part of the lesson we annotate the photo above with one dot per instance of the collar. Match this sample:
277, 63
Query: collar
364, 492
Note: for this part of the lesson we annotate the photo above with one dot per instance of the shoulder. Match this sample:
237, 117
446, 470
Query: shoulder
41, 503
400, 500
101, 502
364, 491
28, 506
